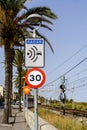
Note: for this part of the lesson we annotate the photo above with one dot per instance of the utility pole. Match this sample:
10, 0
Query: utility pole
62, 93
72, 96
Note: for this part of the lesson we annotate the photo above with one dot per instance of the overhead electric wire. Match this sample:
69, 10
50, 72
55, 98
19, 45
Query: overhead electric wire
67, 72
70, 90
70, 69
83, 78
78, 73
69, 58
83, 85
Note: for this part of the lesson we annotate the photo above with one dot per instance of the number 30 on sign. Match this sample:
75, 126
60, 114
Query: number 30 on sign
35, 77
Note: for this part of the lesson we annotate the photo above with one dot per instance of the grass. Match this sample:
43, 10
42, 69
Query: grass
75, 105
61, 122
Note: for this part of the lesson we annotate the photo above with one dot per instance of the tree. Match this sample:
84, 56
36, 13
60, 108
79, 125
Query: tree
18, 62
11, 83
14, 26
16, 81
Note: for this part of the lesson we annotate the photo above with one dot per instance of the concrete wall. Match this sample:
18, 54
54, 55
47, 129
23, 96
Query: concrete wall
42, 124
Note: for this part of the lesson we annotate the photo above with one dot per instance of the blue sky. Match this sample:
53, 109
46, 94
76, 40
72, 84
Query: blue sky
69, 42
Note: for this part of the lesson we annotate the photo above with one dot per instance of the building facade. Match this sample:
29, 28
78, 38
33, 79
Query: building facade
1, 91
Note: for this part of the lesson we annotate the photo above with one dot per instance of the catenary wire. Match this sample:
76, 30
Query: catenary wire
67, 71
83, 47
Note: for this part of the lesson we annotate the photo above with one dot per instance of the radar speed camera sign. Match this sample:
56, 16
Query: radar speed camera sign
34, 52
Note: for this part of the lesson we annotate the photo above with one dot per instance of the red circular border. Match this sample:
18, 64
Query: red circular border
35, 69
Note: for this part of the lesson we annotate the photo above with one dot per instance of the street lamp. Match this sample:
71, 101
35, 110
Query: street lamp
34, 19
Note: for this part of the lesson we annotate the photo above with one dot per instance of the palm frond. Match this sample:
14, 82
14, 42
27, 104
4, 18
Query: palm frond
3, 4
42, 11
46, 40
18, 59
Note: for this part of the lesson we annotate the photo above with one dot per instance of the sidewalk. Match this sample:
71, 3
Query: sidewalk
20, 123
16, 122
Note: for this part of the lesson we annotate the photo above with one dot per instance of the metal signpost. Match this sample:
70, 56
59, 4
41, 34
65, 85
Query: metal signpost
35, 78
34, 57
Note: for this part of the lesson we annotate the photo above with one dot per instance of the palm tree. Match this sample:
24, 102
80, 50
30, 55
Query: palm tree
13, 29
11, 83
23, 73
18, 62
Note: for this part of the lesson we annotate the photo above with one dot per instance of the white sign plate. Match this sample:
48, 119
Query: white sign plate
34, 52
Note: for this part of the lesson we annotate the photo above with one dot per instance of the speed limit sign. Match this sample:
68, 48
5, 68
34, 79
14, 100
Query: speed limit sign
35, 77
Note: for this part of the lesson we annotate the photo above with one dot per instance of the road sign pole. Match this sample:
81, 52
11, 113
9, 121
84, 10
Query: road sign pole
36, 108
35, 99
35, 78
26, 109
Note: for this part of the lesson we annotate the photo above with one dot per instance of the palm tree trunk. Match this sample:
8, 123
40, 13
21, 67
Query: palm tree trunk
7, 83
10, 95
12, 53
19, 70
19, 99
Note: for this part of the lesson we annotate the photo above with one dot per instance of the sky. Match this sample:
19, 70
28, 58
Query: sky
69, 42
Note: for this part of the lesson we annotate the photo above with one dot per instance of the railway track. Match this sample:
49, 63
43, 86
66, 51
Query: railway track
82, 113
